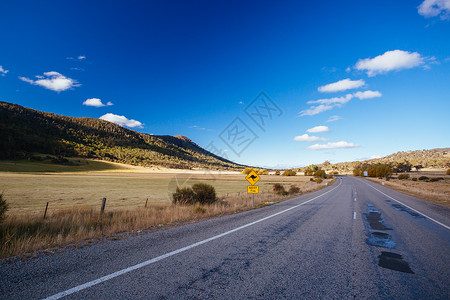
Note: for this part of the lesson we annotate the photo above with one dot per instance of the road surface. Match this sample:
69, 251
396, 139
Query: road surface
350, 240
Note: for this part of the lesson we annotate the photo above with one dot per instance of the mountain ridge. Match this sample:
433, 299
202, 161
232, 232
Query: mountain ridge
26, 131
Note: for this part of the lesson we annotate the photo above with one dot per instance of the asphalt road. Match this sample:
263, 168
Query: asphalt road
350, 240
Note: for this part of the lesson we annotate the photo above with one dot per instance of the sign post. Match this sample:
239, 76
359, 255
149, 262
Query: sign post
253, 189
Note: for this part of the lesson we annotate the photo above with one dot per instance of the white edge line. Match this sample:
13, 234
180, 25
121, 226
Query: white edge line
436, 221
161, 257
354, 215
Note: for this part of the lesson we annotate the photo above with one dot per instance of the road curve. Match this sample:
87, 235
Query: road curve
352, 239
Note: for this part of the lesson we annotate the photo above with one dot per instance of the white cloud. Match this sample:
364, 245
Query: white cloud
318, 129
390, 61
328, 104
80, 57
96, 102
433, 8
314, 110
341, 85
367, 94
3, 71
121, 120
333, 118
308, 138
53, 81
335, 100
335, 145
197, 127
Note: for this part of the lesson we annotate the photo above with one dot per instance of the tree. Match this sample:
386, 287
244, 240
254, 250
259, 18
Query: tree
403, 167
320, 174
384, 171
418, 167
310, 170
289, 173
247, 171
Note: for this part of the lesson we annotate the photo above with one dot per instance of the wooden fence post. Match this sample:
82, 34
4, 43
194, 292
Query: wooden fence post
146, 201
103, 205
45, 212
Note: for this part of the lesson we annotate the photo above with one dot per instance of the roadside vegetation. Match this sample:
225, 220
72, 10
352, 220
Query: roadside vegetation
380, 171
434, 189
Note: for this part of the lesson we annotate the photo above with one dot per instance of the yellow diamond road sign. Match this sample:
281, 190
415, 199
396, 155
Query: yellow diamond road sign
252, 177
252, 189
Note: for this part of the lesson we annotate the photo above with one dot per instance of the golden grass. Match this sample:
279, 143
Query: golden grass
437, 192
29, 193
71, 219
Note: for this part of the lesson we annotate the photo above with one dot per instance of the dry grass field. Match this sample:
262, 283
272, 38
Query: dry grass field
437, 192
29, 193
75, 200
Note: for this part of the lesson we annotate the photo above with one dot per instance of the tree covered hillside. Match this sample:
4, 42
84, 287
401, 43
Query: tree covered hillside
25, 131
401, 161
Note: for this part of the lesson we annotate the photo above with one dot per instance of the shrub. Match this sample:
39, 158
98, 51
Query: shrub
183, 196
283, 192
262, 172
319, 180
311, 179
294, 189
320, 174
329, 176
277, 172
246, 171
200, 209
423, 178
289, 173
414, 179
3, 208
383, 171
434, 179
201, 193
309, 172
448, 172
357, 172
403, 176
277, 187
204, 193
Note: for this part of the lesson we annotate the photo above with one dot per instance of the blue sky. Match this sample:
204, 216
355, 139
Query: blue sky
341, 80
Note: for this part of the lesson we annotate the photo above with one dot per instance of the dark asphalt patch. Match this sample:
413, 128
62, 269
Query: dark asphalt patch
402, 208
380, 239
374, 220
394, 262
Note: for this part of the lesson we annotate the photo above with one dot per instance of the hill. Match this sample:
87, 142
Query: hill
25, 132
433, 158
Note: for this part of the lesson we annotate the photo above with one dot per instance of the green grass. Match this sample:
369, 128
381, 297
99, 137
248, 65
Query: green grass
47, 166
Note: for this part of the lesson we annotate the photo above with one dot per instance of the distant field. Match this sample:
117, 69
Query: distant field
82, 165
28, 193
